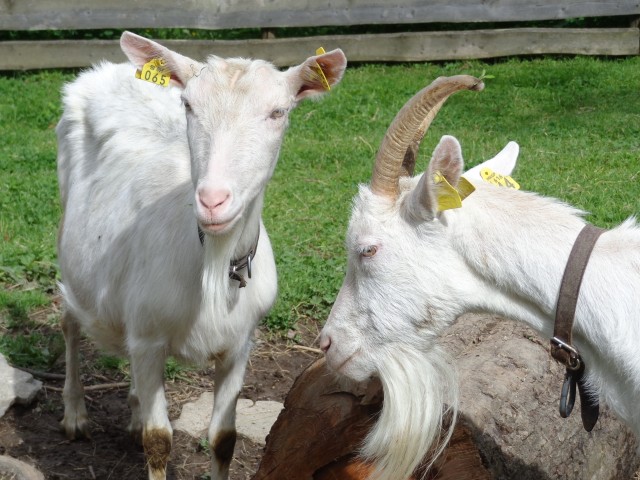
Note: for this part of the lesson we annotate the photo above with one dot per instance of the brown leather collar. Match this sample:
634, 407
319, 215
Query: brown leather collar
561, 348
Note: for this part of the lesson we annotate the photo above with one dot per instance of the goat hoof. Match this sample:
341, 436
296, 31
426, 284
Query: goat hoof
157, 448
157, 474
75, 430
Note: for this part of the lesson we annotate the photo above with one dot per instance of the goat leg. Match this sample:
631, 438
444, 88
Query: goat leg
229, 377
75, 422
147, 371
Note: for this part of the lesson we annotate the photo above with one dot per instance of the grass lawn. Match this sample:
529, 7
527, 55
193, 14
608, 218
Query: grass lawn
577, 122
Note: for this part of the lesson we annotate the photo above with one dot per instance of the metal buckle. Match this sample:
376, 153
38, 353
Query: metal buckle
576, 362
564, 346
234, 270
236, 265
233, 274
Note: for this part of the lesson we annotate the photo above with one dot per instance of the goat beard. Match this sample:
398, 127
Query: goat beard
218, 296
420, 392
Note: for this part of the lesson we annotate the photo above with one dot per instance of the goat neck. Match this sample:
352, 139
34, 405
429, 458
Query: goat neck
517, 244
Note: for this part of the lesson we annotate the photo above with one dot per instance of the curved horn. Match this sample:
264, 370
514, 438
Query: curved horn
403, 137
410, 156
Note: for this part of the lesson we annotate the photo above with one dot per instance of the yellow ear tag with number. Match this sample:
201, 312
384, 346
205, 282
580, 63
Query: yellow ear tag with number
494, 178
318, 69
154, 71
448, 196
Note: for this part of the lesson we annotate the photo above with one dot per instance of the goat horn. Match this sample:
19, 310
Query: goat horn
400, 144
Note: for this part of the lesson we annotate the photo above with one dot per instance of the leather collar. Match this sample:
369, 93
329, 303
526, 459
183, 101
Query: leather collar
561, 348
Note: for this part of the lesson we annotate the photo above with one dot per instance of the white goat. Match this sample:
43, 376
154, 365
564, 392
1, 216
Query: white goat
412, 270
144, 171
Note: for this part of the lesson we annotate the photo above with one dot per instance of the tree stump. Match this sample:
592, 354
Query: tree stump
508, 427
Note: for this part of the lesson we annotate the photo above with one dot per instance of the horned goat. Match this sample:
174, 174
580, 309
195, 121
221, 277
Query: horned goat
162, 191
413, 269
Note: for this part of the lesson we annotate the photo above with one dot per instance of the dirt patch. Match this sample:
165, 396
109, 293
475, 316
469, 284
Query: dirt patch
32, 433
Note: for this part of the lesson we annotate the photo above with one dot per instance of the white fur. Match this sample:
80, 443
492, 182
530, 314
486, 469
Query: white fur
504, 252
138, 172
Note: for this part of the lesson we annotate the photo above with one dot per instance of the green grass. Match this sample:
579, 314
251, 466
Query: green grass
173, 370
577, 122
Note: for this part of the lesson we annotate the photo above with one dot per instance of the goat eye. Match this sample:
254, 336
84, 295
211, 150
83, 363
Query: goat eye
369, 251
277, 113
186, 104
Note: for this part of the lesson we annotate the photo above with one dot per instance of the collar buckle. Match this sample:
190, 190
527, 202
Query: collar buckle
238, 264
573, 361
244, 262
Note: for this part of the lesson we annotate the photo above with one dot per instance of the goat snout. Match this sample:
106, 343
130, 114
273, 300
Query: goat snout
214, 201
325, 342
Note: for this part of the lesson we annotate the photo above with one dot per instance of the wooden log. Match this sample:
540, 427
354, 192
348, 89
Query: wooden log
509, 426
324, 422
398, 47
98, 14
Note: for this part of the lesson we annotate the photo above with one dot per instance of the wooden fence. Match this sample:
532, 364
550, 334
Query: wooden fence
264, 14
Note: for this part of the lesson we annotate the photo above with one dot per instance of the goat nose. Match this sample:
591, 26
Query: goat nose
213, 199
325, 343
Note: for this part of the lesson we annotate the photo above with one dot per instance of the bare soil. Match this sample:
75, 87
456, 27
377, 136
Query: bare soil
31, 433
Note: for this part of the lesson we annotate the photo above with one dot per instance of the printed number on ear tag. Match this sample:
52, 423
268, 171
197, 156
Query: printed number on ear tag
494, 178
154, 71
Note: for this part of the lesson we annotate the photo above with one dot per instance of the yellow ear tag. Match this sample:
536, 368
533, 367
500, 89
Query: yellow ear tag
154, 71
465, 188
494, 178
318, 69
448, 196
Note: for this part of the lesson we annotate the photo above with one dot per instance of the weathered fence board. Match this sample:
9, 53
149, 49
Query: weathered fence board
227, 14
265, 14
427, 46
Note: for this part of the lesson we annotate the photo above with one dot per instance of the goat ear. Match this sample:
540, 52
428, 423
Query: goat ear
446, 161
317, 74
503, 163
140, 50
